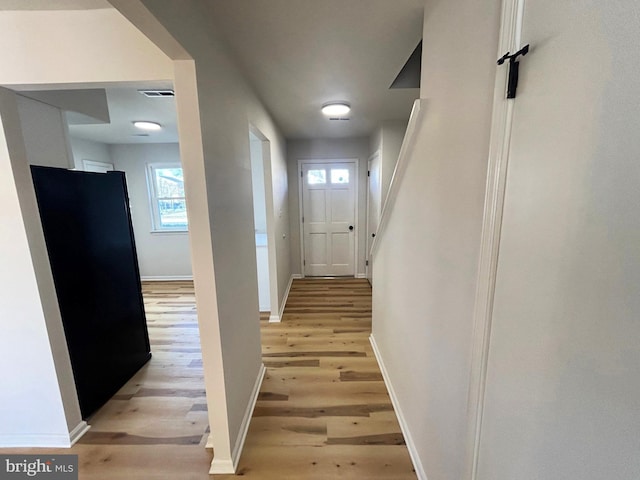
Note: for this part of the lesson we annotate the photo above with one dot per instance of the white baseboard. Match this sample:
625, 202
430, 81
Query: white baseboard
169, 278
411, 446
230, 465
361, 275
278, 318
78, 432
48, 441
222, 467
35, 441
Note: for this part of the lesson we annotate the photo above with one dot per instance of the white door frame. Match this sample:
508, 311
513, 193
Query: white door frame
274, 297
367, 255
501, 123
86, 163
356, 164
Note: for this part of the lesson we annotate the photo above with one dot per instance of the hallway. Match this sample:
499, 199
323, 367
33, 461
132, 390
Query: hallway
323, 410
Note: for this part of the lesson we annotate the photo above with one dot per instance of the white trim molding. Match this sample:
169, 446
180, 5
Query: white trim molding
46, 440
169, 278
368, 232
77, 433
406, 150
501, 123
278, 318
230, 466
95, 166
35, 441
356, 206
221, 467
404, 426
154, 198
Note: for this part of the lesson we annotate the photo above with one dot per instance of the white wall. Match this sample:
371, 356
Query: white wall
86, 105
88, 150
46, 142
56, 47
325, 149
227, 106
375, 141
385, 144
425, 264
563, 386
46, 134
38, 400
153, 248
160, 254
216, 157
387, 140
37, 50
392, 136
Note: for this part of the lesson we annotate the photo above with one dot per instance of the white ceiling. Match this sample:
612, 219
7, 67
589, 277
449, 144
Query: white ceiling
127, 105
297, 55
300, 54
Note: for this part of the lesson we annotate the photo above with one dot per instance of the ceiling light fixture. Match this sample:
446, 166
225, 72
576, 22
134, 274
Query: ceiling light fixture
336, 109
144, 125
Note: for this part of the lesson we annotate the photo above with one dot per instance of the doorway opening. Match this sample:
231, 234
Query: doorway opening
261, 185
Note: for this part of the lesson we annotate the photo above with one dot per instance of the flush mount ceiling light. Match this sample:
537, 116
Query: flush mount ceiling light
147, 125
336, 109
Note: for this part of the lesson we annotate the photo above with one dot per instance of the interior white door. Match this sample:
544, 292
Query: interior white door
328, 201
374, 207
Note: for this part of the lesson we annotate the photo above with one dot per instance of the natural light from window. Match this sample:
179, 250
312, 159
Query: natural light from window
166, 191
339, 175
317, 177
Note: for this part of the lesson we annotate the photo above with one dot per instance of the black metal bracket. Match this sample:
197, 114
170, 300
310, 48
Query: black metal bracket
514, 68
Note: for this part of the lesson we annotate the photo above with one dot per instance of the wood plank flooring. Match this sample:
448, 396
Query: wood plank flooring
323, 410
152, 429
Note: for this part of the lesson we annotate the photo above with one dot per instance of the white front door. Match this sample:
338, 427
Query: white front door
328, 221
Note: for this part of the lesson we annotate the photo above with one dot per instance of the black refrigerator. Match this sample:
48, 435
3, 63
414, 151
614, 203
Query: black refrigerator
87, 227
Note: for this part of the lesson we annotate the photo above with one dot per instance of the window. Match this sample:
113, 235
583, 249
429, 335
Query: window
317, 177
339, 175
166, 196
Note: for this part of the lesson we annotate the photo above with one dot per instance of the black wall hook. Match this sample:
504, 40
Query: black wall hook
514, 68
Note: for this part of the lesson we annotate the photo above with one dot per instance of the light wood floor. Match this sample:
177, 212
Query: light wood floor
323, 410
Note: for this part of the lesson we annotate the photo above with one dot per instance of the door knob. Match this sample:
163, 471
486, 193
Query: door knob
351, 228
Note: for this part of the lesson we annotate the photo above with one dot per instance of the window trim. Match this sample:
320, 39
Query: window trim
153, 198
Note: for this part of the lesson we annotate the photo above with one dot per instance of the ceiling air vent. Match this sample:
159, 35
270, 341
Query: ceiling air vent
338, 118
157, 93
